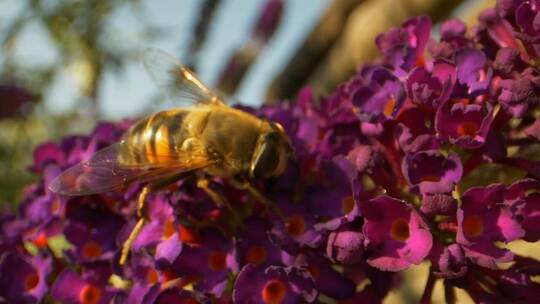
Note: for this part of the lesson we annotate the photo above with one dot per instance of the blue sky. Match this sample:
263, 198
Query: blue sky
129, 93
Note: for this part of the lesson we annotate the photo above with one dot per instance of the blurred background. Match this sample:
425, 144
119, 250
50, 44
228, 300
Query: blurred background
66, 64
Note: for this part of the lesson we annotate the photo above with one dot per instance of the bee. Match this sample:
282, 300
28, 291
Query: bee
206, 136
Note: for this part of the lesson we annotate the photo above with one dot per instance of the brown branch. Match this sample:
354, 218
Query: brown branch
313, 50
356, 44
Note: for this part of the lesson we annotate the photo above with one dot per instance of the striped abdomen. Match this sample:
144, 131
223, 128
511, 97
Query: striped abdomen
155, 139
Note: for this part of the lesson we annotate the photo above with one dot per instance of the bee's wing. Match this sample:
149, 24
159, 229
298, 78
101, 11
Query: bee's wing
104, 172
177, 81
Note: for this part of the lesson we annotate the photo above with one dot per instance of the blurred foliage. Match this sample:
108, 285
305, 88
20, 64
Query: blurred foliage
80, 32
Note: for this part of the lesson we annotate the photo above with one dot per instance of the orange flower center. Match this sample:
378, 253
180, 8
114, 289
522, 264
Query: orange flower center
91, 250
430, 178
41, 240
467, 128
256, 255
400, 230
168, 276
217, 260
31, 281
90, 294
347, 204
168, 229
187, 235
473, 226
273, 292
389, 107
420, 61
295, 226
152, 276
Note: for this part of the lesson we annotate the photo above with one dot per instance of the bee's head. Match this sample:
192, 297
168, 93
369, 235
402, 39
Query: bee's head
272, 152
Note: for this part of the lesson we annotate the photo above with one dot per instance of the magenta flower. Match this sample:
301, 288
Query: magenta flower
473, 78
162, 233
254, 246
380, 96
327, 280
69, 287
525, 197
484, 219
274, 285
24, 279
430, 172
207, 264
466, 125
346, 246
431, 89
403, 47
449, 262
396, 234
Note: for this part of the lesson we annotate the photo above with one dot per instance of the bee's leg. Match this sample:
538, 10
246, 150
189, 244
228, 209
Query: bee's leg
244, 184
126, 247
203, 183
218, 199
141, 204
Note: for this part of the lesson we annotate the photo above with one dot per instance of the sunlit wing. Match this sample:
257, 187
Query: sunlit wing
177, 81
105, 172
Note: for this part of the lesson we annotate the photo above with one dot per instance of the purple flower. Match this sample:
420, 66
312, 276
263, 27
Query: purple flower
254, 246
69, 287
23, 279
403, 48
527, 19
449, 261
482, 220
438, 204
345, 246
466, 125
172, 295
274, 285
525, 195
520, 94
499, 29
207, 264
142, 269
327, 280
380, 97
161, 232
92, 232
412, 134
508, 62
473, 78
338, 201
453, 37
430, 172
431, 89
45, 154
396, 234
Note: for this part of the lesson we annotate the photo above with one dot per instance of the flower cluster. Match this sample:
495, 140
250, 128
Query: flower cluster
383, 179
